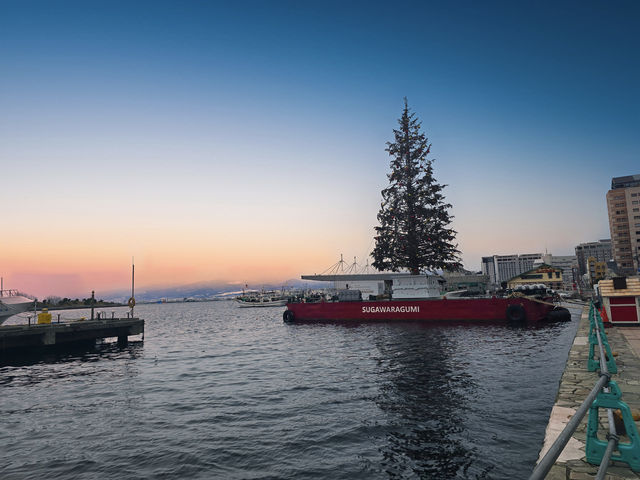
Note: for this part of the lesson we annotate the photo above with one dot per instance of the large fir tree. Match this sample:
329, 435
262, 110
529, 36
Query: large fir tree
414, 231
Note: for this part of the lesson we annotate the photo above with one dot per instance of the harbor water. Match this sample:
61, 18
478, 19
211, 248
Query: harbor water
217, 391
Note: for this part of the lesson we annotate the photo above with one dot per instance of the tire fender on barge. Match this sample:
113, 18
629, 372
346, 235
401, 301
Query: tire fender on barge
516, 313
288, 316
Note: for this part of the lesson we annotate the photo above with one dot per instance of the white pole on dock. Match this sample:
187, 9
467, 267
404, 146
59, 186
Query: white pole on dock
133, 269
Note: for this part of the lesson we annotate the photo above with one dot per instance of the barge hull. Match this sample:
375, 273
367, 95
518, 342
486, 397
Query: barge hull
477, 310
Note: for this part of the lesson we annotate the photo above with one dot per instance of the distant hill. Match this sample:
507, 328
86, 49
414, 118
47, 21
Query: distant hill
202, 291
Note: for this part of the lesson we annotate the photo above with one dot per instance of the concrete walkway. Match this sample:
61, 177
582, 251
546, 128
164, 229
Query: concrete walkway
632, 335
575, 385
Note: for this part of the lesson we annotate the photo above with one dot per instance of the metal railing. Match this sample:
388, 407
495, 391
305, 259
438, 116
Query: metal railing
605, 394
8, 293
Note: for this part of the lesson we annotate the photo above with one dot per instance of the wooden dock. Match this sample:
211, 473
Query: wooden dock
19, 338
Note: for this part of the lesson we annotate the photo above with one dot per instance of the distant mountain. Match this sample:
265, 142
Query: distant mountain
202, 291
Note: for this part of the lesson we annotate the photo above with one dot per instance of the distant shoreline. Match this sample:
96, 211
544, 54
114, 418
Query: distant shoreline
41, 306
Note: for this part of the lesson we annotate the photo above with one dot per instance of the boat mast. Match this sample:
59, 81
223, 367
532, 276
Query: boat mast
133, 269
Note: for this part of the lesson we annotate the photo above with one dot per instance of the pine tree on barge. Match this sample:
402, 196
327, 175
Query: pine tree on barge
414, 235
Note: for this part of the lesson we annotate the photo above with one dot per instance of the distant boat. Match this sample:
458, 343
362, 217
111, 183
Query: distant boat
261, 299
11, 303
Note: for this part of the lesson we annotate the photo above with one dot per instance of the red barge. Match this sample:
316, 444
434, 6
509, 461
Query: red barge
430, 306
515, 309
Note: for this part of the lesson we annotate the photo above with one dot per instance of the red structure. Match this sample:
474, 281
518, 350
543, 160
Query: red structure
467, 310
621, 300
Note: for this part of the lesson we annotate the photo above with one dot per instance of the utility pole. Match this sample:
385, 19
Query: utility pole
133, 301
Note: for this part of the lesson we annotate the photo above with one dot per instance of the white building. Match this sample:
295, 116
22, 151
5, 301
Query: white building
398, 285
501, 268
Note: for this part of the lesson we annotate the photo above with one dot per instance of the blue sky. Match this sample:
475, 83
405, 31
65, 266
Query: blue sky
218, 134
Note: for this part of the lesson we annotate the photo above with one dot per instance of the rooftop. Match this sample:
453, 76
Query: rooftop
356, 277
633, 288
625, 182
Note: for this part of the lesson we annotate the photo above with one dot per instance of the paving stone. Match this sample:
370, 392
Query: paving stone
557, 472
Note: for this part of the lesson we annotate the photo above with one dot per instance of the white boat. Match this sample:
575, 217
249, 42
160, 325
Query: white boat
11, 303
261, 299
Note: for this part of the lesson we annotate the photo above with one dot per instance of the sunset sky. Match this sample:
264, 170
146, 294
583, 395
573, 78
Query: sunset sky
245, 141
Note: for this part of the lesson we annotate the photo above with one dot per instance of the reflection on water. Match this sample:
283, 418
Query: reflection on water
423, 397
57, 362
217, 391
83, 351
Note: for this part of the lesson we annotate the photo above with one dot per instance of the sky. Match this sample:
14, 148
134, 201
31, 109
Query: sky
245, 141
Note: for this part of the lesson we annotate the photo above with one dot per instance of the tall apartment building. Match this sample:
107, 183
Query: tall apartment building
501, 268
600, 250
623, 204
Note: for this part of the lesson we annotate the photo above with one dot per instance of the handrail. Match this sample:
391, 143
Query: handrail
544, 466
555, 450
613, 435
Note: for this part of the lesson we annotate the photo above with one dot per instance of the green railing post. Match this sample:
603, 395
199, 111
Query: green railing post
629, 452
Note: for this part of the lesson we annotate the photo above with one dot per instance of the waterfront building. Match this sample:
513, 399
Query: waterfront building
600, 250
501, 268
623, 205
567, 263
545, 274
